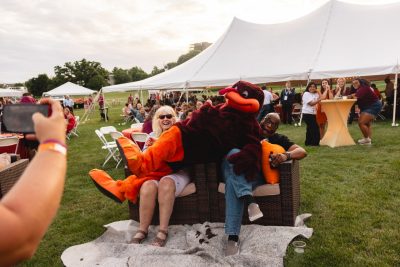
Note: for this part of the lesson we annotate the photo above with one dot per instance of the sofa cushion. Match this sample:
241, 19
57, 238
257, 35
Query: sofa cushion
260, 191
188, 190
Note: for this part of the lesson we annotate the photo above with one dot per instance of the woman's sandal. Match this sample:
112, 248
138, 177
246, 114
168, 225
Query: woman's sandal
158, 242
138, 240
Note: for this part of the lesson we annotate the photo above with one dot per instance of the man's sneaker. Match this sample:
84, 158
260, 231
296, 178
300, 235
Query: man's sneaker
232, 248
364, 141
254, 212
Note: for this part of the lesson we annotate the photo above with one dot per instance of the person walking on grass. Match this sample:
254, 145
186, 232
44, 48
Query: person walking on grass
369, 105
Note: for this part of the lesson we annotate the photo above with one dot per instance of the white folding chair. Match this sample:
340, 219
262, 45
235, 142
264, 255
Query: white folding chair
139, 137
106, 130
296, 114
115, 135
75, 130
10, 141
137, 126
111, 147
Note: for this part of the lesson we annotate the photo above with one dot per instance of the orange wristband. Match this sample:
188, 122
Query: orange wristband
53, 147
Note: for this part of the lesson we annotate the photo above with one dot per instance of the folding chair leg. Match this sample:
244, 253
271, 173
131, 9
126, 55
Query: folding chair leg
109, 156
118, 163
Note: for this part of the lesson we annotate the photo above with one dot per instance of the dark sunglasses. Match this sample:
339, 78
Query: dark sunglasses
168, 116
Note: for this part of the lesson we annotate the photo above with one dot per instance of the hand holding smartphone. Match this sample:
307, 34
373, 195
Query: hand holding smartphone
17, 118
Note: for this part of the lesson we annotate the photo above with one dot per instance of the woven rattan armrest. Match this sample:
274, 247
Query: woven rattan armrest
10, 175
290, 191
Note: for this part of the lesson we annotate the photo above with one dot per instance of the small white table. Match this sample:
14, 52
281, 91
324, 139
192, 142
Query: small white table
337, 112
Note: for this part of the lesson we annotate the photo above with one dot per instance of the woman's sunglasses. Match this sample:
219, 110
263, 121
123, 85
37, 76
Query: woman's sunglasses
168, 116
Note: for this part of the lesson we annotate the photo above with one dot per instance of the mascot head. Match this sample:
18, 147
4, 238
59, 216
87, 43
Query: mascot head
244, 96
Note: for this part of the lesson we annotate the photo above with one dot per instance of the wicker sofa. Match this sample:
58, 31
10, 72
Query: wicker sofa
280, 206
10, 175
279, 203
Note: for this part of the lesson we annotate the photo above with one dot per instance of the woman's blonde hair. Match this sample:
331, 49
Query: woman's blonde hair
341, 78
155, 123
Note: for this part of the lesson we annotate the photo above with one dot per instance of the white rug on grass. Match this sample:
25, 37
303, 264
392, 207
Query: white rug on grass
188, 245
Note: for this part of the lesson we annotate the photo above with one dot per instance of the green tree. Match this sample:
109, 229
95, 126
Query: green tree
55, 82
137, 74
96, 82
195, 49
89, 74
121, 76
37, 85
185, 57
170, 65
156, 71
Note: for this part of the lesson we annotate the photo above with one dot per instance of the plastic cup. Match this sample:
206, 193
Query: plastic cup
299, 246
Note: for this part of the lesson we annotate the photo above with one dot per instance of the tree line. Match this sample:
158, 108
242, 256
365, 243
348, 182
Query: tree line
91, 74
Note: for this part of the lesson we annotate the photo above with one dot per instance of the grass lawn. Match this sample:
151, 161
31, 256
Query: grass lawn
353, 193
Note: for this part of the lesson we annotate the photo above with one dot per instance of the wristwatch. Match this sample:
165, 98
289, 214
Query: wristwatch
288, 156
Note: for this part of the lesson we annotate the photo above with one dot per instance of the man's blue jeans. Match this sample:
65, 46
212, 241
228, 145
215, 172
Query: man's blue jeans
236, 186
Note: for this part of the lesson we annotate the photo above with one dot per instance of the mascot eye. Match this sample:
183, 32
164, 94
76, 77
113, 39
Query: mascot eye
245, 94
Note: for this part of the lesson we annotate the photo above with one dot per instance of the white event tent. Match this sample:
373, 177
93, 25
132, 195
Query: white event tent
71, 89
10, 93
337, 40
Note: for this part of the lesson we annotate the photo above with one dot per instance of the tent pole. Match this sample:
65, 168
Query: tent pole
187, 92
395, 96
105, 107
87, 113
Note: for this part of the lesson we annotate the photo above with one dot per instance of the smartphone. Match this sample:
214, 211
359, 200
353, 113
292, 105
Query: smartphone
17, 118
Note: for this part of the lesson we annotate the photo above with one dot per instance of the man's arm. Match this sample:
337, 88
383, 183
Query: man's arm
29, 207
294, 152
297, 152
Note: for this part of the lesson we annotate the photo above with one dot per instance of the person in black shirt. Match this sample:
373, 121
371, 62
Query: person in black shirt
287, 100
238, 191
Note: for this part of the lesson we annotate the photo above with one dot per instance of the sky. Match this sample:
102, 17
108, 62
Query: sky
37, 35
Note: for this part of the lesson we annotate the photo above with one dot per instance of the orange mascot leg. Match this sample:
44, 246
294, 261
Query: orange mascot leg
128, 188
151, 164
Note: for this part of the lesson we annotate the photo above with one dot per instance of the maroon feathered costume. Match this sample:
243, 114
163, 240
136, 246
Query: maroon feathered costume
207, 136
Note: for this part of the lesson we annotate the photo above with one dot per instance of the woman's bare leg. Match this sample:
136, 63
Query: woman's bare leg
166, 200
148, 194
364, 122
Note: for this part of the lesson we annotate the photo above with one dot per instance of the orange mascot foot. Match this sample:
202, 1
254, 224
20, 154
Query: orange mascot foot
121, 190
109, 187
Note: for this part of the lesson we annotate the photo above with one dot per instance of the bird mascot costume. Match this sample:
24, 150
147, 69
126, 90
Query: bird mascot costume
207, 136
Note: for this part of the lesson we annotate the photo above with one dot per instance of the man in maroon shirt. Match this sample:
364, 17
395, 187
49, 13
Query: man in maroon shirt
27, 99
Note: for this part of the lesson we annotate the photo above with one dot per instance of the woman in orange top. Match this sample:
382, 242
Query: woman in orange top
325, 93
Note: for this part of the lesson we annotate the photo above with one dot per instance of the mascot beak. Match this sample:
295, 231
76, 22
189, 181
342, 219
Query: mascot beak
238, 102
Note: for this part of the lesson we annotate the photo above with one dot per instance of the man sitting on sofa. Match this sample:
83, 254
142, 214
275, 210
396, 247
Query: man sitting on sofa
238, 191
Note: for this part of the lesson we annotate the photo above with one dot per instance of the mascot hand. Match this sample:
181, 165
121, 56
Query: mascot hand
244, 163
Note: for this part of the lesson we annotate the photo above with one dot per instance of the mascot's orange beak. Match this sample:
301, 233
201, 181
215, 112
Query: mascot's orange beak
236, 101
